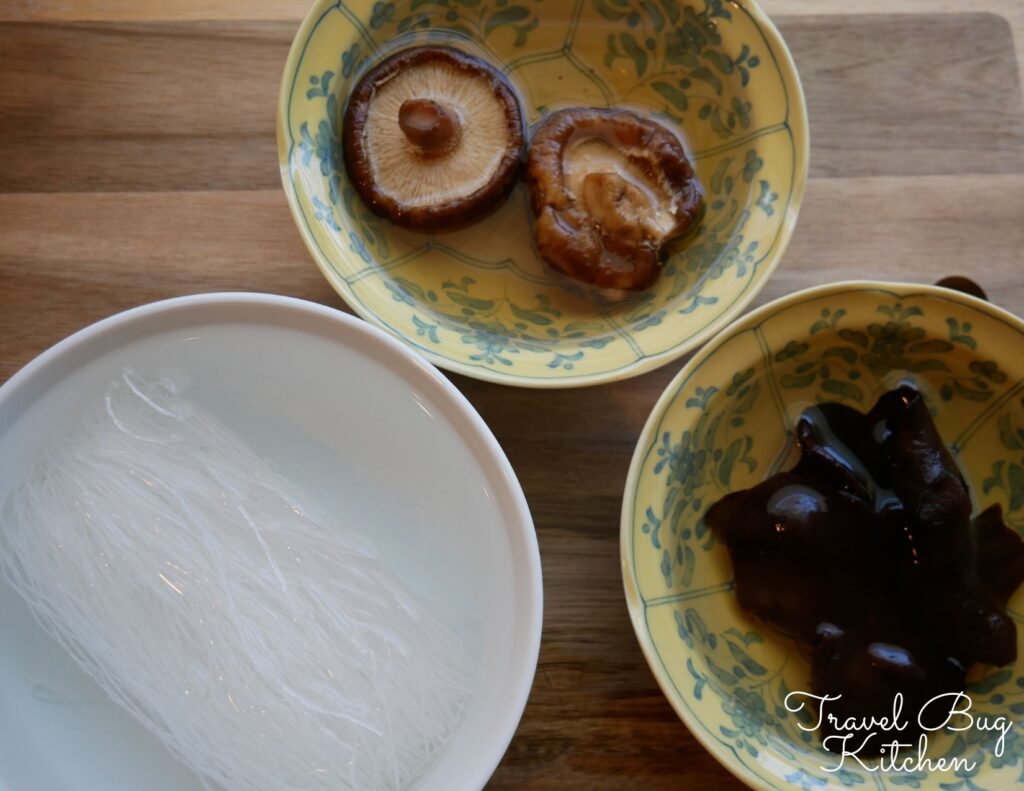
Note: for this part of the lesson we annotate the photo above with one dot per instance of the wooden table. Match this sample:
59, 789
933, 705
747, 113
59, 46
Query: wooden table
137, 162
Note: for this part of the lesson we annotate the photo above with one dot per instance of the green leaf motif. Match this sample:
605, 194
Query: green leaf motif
470, 302
350, 61
720, 61
961, 334
791, 350
921, 366
523, 31
673, 95
705, 74
843, 352
324, 213
854, 336
744, 659
978, 393
795, 380
682, 629
697, 301
846, 390
456, 16
382, 12
635, 52
988, 369
1015, 480
411, 288
689, 565
463, 285
609, 13
723, 676
766, 198
996, 479
532, 316
566, 361
424, 329
357, 246
655, 15
696, 624
1010, 439
506, 16
738, 450
932, 346
688, 59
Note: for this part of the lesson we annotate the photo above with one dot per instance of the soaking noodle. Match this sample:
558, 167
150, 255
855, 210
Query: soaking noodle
264, 644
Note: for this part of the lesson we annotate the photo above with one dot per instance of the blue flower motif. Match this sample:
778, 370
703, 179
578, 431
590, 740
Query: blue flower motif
685, 461
750, 722
749, 714
492, 339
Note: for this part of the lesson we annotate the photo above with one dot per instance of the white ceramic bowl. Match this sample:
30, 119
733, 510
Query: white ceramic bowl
371, 428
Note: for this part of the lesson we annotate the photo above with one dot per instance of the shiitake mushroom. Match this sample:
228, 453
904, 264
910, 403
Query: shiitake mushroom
432, 138
609, 189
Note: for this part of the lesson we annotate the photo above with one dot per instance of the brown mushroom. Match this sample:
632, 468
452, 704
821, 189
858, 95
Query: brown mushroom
609, 190
432, 138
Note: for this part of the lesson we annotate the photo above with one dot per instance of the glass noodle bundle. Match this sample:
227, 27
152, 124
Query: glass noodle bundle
264, 644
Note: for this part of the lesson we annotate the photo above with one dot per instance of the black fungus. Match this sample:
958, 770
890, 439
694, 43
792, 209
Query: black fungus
867, 554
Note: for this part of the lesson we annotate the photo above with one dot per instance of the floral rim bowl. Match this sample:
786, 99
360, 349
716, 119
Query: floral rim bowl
479, 301
725, 423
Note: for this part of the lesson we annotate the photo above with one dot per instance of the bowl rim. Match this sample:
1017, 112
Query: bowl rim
79, 348
796, 121
634, 602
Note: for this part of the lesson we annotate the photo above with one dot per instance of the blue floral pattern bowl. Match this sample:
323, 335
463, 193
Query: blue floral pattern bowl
725, 423
480, 301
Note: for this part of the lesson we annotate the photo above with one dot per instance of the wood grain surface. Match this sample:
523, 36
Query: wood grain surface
137, 162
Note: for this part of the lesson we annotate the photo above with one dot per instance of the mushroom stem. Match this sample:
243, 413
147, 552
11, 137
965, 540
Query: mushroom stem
431, 127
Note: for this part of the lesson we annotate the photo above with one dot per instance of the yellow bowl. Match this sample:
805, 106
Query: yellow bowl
725, 423
479, 301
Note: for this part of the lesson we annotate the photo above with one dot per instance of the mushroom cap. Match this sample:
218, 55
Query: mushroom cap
609, 189
432, 138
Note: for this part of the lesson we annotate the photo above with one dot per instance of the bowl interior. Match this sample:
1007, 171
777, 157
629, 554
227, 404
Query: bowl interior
726, 424
480, 301
355, 420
